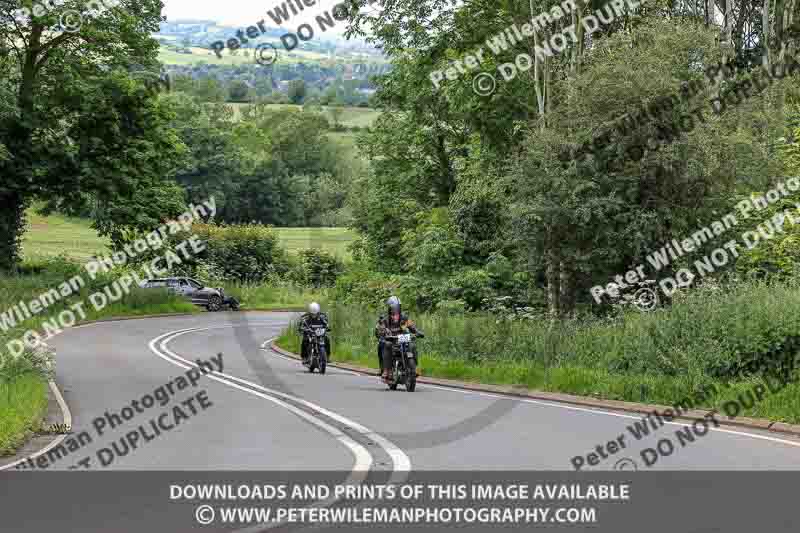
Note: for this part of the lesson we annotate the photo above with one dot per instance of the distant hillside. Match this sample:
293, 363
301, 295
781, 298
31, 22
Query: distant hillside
201, 33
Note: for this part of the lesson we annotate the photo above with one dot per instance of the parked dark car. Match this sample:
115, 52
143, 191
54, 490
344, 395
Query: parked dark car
199, 294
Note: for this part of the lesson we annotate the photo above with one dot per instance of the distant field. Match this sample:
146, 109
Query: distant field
333, 240
361, 117
55, 235
205, 55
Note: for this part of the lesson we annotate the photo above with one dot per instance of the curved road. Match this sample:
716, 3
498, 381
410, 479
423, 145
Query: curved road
268, 413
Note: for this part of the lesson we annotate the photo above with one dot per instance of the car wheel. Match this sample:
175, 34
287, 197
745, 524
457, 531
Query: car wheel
214, 303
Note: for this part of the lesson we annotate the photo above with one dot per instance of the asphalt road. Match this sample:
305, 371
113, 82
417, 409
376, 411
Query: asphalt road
268, 413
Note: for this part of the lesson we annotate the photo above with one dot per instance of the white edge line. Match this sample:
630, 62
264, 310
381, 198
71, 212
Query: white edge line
363, 459
401, 461
611, 413
598, 411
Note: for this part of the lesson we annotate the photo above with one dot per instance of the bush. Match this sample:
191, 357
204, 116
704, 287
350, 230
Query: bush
364, 288
473, 285
316, 268
246, 253
40, 362
778, 256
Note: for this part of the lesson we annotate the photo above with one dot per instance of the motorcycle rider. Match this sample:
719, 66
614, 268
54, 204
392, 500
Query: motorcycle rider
391, 325
310, 321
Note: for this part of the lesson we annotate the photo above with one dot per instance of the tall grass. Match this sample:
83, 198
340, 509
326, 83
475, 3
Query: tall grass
23, 403
704, 339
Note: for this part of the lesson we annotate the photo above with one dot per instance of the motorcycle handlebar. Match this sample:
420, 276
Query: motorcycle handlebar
311, 330
418, 335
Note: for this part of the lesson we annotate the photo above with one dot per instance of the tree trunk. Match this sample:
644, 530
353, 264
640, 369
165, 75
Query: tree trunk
566, 302
728, 27
553, 275
765, 33
12, 226
540, 74
580, 44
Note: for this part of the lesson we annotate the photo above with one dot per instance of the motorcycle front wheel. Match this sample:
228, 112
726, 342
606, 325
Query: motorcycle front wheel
411, 379
323, 360
395, 378
312, 363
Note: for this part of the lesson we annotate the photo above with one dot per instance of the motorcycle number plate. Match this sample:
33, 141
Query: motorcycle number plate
320, 332
406, 338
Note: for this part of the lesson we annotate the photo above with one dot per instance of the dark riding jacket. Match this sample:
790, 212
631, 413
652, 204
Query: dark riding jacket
310, 321
395, 328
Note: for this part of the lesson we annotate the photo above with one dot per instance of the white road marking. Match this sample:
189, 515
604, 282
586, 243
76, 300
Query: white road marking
363, 459
401, 462
612, 413
597, 411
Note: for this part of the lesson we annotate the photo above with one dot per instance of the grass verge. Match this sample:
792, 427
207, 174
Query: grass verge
690, 350
23, 403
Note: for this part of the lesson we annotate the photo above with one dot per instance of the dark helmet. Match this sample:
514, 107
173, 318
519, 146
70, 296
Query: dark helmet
394, 305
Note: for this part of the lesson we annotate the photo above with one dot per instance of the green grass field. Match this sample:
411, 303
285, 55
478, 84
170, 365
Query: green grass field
201, 55
204, 56
55, 235
333, 240
361, 117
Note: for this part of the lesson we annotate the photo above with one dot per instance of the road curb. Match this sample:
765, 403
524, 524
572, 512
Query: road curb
66, 414
583, 401
66, 417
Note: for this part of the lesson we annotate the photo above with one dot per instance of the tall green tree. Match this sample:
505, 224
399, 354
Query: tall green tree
60, 145
297, 91
239, 91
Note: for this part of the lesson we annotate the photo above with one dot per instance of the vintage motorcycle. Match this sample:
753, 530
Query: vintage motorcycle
317, 354
404, 363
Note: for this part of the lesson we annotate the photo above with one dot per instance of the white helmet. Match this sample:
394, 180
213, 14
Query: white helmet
313, 308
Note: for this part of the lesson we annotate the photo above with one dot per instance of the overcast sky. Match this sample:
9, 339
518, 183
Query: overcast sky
243, 13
